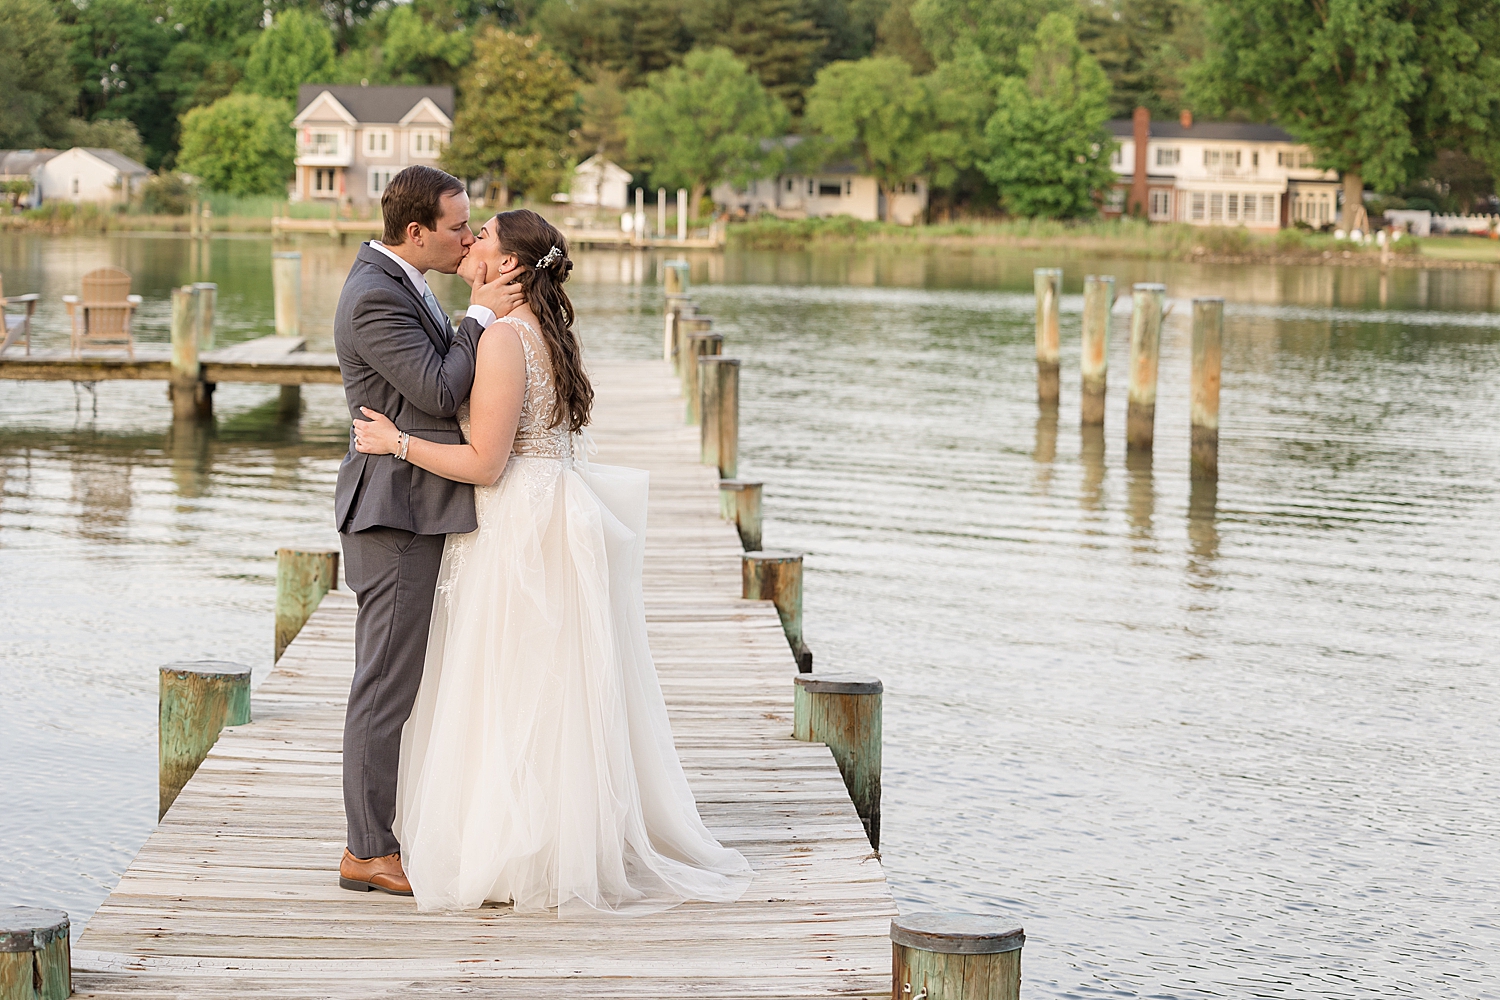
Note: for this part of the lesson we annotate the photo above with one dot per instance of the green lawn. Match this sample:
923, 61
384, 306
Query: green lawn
1461, 248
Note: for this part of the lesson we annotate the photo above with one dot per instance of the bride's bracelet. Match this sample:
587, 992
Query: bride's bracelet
402, 443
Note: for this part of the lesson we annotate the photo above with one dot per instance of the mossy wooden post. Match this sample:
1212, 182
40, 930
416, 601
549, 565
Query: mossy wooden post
686, 327
843, 711
777, 577
675, 276
739, 502
719, 403
197, 701
302, 578
677, 307
192, 398
1208, 361
698, 346
286, 284
955, 956
208, 298
1048, 284
36, 958
1145, 350
1098, 300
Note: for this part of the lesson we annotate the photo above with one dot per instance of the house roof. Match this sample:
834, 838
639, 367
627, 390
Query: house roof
1123, 128
377, 105
119, 161
19, 162
608, 168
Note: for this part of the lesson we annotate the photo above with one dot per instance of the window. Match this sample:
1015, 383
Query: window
1161, 205
1255, 160
1114, 201
1168, 157
1210, 158
1268, 208
827, 190
378, 142
426, 144
789, 183
324, 144
1232, 213
1216, 208
812, 187
323, 181
1117, 157
1198, 206
75, 185
1304, 160
378, 181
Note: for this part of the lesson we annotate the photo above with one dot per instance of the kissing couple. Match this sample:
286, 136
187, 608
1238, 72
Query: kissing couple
506, 739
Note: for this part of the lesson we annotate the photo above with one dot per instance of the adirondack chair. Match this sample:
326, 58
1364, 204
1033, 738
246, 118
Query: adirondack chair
101, 314
16, 329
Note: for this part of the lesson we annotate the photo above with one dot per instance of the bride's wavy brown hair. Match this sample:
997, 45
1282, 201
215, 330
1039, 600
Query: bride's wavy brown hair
532, 239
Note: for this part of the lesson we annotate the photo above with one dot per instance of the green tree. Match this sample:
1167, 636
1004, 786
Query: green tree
1145, 48
706, 121
602, 107
996, 29
118, 50
876, 111
896, 35
108, 133
415, 49
1377, 89
297, 48
634, 38
517, 104
241, 144
34, 75
775, 38
1049, 151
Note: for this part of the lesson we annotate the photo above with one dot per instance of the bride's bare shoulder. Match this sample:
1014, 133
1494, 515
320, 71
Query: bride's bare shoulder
500, 347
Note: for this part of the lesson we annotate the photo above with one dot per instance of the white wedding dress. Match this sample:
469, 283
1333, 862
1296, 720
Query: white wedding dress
538, 767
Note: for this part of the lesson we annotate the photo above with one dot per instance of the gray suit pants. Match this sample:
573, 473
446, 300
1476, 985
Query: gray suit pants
394, 575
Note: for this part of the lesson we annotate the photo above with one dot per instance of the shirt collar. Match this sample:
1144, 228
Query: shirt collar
417, 281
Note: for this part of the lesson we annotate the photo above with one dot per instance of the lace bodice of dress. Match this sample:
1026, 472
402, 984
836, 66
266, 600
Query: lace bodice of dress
535, 438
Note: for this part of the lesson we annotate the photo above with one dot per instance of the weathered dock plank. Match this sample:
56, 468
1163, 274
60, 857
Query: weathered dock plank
236, 894
264, 361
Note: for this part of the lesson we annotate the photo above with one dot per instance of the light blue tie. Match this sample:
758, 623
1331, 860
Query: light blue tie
435, 309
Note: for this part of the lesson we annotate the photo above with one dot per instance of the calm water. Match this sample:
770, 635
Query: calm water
1201, 743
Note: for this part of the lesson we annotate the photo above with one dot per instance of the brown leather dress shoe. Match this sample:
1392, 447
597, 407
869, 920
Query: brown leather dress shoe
383, 873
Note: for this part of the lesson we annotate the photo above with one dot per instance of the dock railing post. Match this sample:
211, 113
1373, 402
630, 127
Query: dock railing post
955, 956
686, 327
719, 406
36, 957
197, 701
208, 297
699, 346
739, 502
192, 398
675, 277
303, 576
1098, 300
286, 282
1048, 284
1145, 351
661, 213
1208, 361
682, 208
777, 577
844, 711
638, 220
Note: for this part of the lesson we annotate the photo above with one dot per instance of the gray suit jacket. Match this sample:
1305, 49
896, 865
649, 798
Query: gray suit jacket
397, 360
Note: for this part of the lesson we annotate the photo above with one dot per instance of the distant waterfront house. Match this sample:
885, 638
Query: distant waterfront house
1220, 174
601, 183
837, 189
96, 176
23, 166
351, 140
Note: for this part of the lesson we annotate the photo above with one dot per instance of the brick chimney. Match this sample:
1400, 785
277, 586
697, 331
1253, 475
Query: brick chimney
1142, 133
1186, 118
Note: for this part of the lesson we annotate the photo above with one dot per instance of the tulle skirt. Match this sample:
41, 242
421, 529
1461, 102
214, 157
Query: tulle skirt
538, 766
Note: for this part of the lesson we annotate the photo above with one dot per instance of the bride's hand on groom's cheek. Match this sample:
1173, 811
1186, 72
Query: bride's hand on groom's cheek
375, 436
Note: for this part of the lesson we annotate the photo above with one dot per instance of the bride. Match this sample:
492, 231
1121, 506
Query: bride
537, 766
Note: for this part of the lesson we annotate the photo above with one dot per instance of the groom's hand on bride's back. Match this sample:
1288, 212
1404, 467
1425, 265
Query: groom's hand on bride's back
500, 294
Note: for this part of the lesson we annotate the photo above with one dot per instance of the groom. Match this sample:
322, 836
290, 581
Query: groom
399, 356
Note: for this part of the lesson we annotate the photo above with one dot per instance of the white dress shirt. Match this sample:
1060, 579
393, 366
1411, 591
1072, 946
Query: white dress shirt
419, 283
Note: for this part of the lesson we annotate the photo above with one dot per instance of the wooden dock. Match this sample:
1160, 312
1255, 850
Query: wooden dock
265, 361
236, 892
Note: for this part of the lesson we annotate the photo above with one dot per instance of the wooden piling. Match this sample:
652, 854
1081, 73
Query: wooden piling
682, 209
1145, 350
36, 959
844, 712
286, 282
197, 701
1048, 284
192, 398
685, 327
719, 406
777, 577
302, 578
675, 277
208, 297
1208, 358
739, 502
697, 346
677, 306
1098, 301
955, 956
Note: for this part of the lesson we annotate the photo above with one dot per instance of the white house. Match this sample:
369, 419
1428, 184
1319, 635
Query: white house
839, 189
99, 176
601, 183
1218, 174
351, 140
25, 165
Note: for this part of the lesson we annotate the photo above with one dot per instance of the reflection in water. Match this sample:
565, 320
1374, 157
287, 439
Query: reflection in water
1044, 453
103, 492
1203, 526
1091, 458
1140, 495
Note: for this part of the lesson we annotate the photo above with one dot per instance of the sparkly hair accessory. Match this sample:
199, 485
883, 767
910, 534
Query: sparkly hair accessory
546, 261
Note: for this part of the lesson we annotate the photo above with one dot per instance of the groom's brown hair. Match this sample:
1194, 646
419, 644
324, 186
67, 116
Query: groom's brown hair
414, 195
